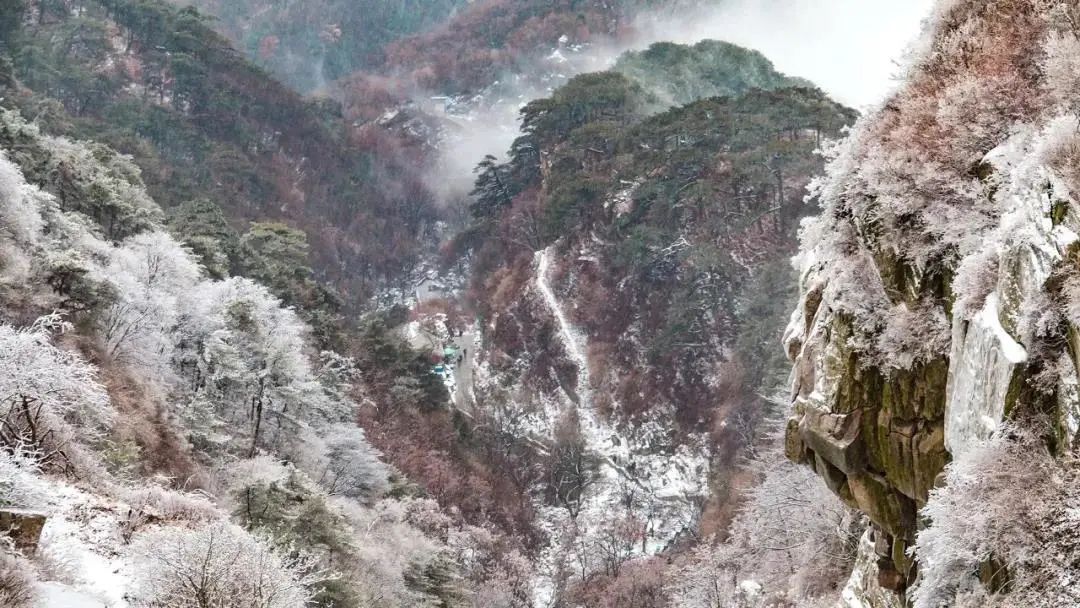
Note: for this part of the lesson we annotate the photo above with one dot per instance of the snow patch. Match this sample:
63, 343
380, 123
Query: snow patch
83, 532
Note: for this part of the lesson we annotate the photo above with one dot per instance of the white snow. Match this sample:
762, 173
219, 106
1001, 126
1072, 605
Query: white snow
664, 486
980, 369
1027, 244
571, 340
82, 532
990, 318
57, 595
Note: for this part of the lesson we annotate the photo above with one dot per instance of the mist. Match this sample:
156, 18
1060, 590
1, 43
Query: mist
852, 49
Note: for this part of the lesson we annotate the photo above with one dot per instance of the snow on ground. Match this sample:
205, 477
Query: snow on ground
82, 544
56, 595
662, 485
663, 488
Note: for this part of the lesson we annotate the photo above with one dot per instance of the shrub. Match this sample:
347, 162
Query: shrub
17, 587
217, 565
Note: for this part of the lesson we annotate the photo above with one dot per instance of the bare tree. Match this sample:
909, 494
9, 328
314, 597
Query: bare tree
571, 469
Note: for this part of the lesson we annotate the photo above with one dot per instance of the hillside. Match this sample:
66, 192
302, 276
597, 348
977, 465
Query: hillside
204, 124
629, 279
161, 420
222, 384
310, 44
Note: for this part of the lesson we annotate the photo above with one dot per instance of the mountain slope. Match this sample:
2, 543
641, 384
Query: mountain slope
628, 267
203, 123
160, 423
308, 44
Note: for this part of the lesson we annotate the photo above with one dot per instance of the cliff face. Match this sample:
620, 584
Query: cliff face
938, 309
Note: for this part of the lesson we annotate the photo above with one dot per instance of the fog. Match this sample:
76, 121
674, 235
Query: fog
852, 49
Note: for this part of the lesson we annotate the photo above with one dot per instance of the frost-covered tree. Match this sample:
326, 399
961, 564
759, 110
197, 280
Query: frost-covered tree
99, 183
216, 565
246, 357
20, 218
152, 275
202, 226
49, 398
352, 467
792, 541
1002, 529
388, 543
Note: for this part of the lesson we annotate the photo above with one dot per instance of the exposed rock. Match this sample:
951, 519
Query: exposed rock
23, 527
875, 436
864, 588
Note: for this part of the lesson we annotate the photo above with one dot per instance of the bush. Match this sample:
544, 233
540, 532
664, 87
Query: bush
17, 588
217, 565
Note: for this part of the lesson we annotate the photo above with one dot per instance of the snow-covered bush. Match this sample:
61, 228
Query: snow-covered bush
162, 504
51, 397
17, 586
20, 486
792, 541
1008, 506
216, 565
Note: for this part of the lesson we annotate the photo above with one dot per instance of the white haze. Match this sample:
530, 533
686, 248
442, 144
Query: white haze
852, 49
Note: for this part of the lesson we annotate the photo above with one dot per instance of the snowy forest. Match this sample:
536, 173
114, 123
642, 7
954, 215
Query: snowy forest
539, 304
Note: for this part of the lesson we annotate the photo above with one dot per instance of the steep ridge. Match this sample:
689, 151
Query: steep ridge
934, 345
594, 248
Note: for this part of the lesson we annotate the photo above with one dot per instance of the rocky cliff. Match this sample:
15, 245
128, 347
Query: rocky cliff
938, 308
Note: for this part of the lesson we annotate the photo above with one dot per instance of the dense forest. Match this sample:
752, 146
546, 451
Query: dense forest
216, 136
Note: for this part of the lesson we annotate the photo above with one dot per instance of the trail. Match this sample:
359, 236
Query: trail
463, 372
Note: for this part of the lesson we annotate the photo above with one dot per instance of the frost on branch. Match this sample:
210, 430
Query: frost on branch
20, 486
152, 274
1005, 521
217, 565
246, 357
790, 544
351, 465
20, 220
18, 589
50, 399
